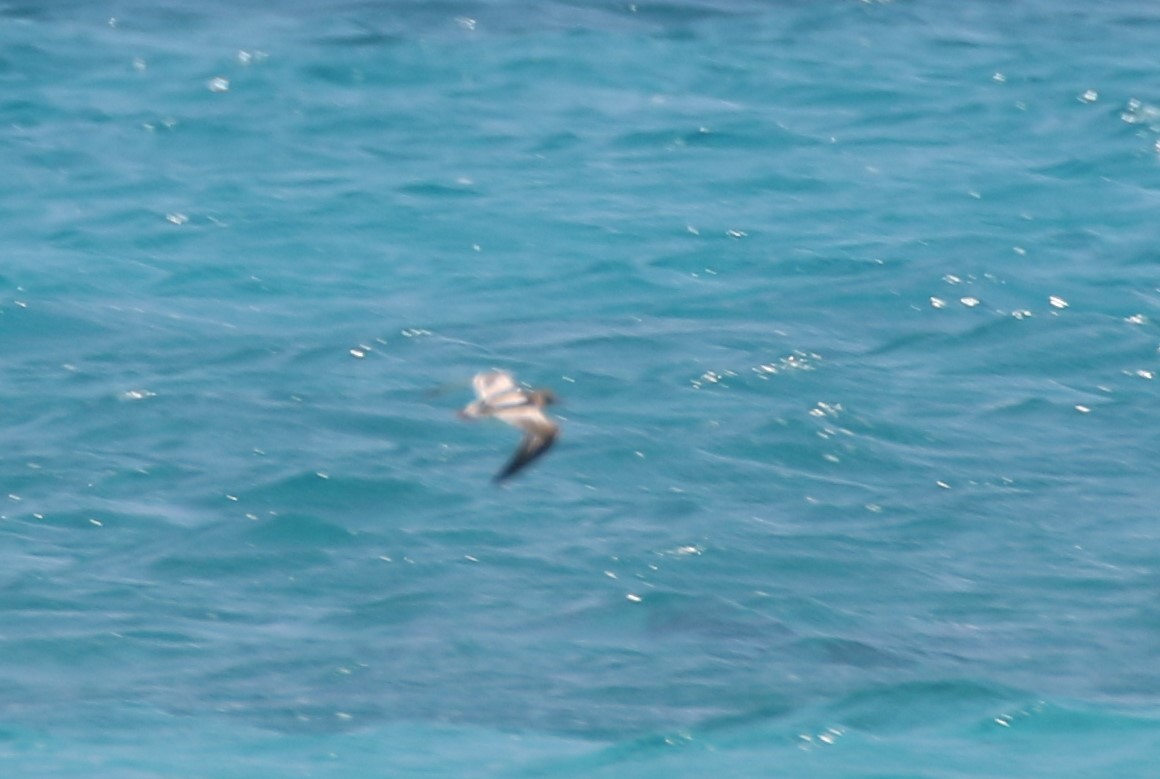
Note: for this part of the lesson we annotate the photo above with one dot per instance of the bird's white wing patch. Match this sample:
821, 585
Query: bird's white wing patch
490, 384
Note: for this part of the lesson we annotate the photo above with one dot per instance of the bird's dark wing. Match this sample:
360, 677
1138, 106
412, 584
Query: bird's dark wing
536, 441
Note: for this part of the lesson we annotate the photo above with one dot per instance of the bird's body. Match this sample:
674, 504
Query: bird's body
498, 395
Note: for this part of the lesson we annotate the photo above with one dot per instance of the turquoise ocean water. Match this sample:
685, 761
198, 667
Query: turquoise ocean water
853, 308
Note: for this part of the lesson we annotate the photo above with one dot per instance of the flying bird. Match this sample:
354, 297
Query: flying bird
498, 395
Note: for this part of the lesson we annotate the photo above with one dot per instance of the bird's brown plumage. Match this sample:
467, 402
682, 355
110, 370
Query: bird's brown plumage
498, 395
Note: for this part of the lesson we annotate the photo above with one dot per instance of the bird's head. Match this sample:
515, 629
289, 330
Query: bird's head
543, 397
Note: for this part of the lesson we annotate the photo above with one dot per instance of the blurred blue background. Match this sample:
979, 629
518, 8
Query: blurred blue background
852, 307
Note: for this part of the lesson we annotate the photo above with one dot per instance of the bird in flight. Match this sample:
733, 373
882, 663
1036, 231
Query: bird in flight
498, 395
